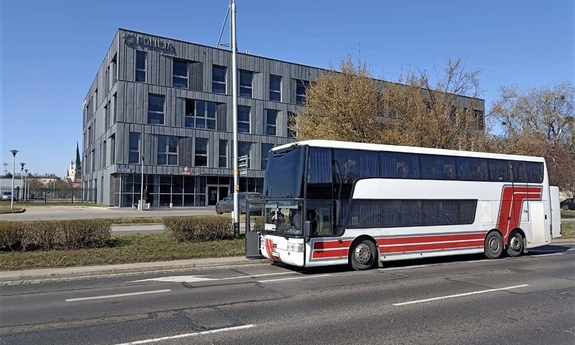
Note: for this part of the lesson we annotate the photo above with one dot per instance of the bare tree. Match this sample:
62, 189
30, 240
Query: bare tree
341, 105
422, 114
351, 105
538, 122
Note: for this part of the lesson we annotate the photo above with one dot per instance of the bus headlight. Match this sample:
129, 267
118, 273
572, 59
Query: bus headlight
295, 247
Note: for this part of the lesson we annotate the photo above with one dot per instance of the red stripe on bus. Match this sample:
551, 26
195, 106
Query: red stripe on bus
333, 244
431, 246
511, 206
332, 254
429, 238
269, 244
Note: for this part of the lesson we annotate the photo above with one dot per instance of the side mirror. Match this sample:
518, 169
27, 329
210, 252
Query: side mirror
307, 230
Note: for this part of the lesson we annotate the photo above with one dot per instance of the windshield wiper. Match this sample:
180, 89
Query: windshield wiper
280, 153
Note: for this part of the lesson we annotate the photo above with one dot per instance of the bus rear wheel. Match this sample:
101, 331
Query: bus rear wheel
493, 245
515, 246
363, 255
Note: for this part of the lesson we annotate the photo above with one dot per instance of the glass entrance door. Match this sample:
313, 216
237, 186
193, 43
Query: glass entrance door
212, 195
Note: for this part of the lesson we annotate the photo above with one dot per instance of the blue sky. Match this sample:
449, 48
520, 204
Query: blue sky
51, 49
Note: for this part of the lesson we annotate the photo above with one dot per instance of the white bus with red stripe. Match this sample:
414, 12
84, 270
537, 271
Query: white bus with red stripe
332, 203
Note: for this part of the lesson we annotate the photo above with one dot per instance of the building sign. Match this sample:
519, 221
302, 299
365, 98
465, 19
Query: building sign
186, 171
124, 171
134, 41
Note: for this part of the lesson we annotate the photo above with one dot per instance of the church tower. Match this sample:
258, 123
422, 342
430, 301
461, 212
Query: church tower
74, 173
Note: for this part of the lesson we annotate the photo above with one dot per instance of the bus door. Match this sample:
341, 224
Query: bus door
321, 216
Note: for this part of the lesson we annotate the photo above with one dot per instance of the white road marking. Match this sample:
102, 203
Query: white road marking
294, 278
195, 279
116, 296
179, 336
461, 295
401, 268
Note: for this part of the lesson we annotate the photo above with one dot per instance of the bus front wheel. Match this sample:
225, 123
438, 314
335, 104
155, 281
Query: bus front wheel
493, 245
363, 255
515, 247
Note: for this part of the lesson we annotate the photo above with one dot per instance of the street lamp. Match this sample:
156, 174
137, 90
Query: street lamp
142, 157
14, 152
22, 179
26, 191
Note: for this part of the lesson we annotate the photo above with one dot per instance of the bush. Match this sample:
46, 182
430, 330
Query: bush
54, 234
10, 235
199, 228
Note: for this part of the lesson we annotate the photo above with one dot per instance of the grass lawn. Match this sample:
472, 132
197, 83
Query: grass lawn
568, 230
124, 249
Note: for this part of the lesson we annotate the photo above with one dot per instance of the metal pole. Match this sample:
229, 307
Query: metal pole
120, 197
26, 185
14, 152
171, 189
235, 121
22, 180
142, 186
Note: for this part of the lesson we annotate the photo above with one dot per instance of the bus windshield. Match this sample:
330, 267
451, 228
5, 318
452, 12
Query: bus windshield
284, 173
283, 217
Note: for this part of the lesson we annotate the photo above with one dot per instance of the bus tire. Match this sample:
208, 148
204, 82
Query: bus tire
493, 245
363, 255
516, 244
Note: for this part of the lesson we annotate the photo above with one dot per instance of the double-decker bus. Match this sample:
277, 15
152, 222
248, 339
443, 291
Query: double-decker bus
332, 203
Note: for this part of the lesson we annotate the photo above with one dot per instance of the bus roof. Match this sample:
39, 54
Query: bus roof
405, 149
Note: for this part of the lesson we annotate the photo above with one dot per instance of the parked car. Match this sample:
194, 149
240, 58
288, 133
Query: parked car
568, 204
6, 196
226, 205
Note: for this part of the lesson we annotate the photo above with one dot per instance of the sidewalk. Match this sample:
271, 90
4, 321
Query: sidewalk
50, 274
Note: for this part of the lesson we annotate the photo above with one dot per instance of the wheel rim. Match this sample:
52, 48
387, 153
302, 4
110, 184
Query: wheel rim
494, 245
515, 243
362, 253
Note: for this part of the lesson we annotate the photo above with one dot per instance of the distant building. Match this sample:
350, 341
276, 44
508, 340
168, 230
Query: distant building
74, 173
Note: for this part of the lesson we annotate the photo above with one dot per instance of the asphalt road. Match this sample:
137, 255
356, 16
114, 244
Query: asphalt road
462, 300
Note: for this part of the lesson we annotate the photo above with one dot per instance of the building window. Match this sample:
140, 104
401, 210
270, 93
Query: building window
300, 86
218, 79
291, 133
180, 71
112, 141
275, 88
244, 149
201, 152
156, 109
243, 119
265, 150
140, 66
104, 148
200, 114
115, 69
271, 118
107, 80
134, 156
167, 150
115, 109
223, 161
246, 83
107, 116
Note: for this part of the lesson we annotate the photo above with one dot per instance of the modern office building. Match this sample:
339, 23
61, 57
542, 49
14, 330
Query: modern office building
160, 111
